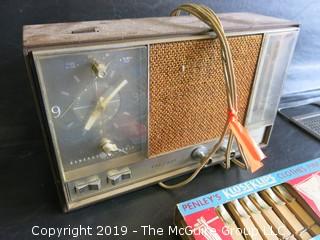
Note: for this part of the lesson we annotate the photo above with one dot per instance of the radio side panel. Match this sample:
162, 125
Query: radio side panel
275, 58
53, 161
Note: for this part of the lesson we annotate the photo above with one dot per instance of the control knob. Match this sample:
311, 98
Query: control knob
199, 153
99, 69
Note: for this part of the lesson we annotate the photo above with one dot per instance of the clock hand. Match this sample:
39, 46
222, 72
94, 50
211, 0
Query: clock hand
102, 104
73, 102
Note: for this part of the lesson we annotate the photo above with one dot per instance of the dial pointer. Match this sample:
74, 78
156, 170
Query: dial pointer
102, 104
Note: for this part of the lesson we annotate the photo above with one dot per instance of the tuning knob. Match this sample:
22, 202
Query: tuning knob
99, 69
107, 146
199, 153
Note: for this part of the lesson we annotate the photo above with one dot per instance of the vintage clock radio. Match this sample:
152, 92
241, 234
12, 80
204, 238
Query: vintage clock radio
129, 103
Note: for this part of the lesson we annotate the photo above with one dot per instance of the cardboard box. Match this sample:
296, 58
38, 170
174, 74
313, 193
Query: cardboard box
281, 205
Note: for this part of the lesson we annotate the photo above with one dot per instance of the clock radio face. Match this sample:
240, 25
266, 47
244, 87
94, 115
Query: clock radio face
96, 103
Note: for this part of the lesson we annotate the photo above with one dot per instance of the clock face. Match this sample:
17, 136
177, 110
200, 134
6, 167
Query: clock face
96, 103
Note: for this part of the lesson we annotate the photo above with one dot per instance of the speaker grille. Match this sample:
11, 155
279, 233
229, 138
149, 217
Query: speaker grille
187, 90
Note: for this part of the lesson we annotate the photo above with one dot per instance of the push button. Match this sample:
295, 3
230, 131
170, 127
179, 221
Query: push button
95, 184
91, 184
81, 187
115, 176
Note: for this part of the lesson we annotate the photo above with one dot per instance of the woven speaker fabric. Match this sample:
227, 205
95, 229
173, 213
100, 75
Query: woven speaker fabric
187, 93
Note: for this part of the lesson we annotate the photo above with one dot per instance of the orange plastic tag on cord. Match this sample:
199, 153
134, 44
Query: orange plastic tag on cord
251, 150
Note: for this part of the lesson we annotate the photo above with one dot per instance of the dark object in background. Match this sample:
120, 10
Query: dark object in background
306, 116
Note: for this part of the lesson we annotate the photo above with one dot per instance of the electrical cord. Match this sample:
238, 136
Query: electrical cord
207, 15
